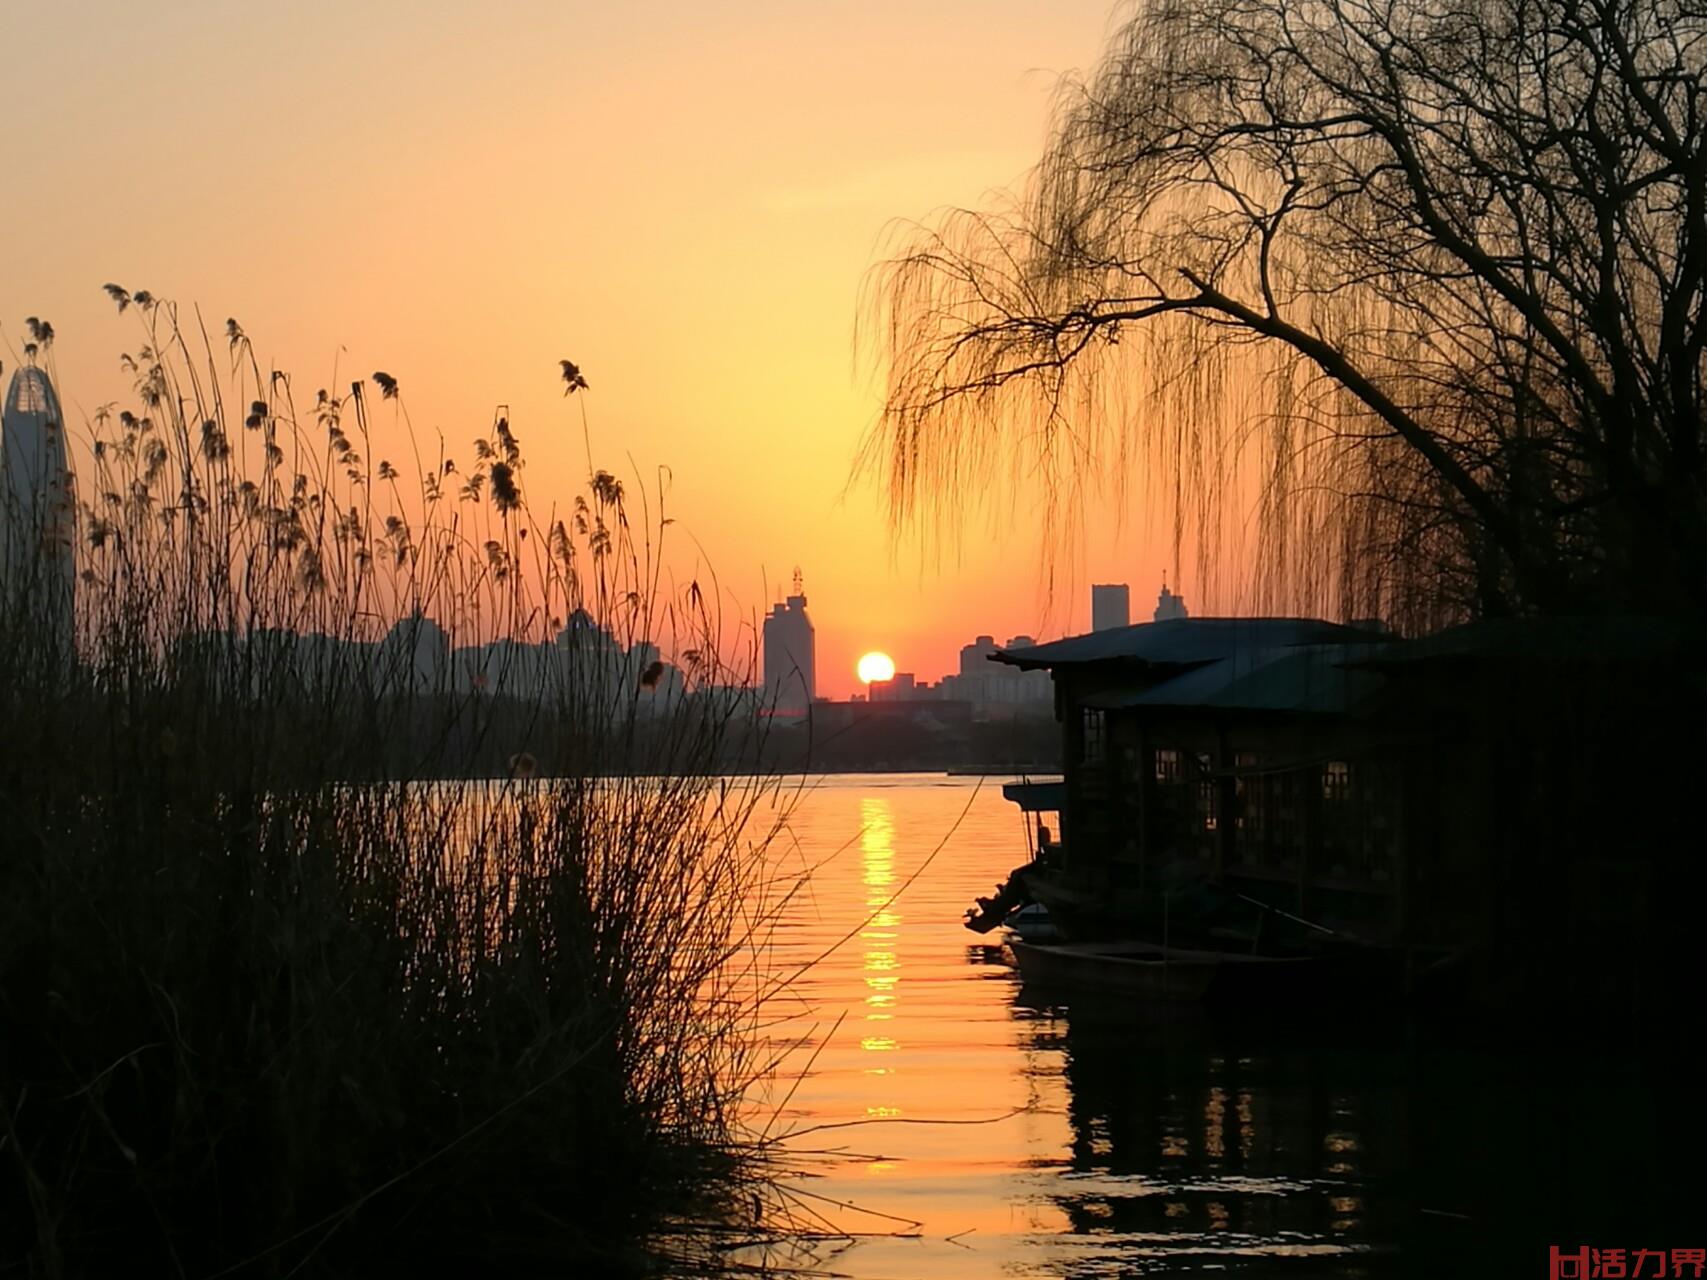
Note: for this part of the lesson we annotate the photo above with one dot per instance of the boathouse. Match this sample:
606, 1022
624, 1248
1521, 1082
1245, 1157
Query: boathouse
1499, 789
1231, 749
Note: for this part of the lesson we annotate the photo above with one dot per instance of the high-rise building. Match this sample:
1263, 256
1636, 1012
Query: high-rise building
972, 682
1111, 606
1168, 605
975, 658
791, 672
1024, 686
37, 515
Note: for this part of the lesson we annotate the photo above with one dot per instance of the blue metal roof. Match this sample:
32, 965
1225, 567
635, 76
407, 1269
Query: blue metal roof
1310, 679
1184, 642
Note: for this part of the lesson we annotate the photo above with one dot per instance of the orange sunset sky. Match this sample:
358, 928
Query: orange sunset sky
683, 198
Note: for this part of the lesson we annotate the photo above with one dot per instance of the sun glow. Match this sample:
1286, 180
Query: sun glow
876, 666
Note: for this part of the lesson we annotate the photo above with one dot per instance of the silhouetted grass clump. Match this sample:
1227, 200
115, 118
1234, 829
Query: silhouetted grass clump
276, 989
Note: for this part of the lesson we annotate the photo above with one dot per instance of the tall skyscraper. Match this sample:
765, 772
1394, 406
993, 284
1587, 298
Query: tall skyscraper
791, 674
37, 518
1111, 606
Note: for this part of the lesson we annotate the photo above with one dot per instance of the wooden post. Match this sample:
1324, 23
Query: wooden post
1400, 785
1072, 729
1146, 798
1226, 802
1311, 856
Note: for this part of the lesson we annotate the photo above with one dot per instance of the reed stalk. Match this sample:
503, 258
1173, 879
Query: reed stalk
369, 893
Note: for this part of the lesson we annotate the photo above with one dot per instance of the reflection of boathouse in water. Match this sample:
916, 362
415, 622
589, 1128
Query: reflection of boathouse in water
1494, 799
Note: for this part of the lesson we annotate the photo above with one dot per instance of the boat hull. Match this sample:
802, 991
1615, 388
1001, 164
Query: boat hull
1143, 971
1032, 924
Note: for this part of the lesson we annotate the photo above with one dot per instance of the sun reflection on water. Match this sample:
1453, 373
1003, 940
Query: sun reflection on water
880, 964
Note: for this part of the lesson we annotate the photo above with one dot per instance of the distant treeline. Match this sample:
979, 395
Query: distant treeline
890, 743
454, 736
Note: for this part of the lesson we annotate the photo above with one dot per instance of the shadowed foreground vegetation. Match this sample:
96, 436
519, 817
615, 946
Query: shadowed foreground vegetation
270, 1003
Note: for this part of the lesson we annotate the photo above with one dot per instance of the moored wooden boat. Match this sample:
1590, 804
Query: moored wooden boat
1146, 971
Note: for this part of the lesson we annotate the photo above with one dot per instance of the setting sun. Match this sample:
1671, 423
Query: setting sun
876, 666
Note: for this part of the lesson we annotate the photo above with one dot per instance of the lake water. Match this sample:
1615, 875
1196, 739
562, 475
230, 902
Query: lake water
1025, 1139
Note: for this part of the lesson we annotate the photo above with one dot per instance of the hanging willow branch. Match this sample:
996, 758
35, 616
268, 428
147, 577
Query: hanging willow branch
1434, 271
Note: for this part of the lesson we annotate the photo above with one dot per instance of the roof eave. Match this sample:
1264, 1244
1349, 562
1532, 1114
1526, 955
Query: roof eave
1112, 661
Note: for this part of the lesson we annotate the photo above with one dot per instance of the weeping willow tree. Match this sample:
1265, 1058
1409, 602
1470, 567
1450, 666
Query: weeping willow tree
1433, 271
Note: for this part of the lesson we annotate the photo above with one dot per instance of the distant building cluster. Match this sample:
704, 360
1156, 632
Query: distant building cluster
1111, 606
416, 658
984, 688
991, 691
416, 655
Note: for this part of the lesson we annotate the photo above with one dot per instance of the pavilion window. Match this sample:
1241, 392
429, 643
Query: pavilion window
1249, 836
1167, 765
1093, 739
1336, 782
1287, 791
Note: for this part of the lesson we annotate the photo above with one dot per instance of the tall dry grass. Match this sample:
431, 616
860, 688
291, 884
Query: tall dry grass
284, 986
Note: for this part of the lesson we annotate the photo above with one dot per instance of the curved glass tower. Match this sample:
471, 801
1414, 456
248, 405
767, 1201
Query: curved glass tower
38, 516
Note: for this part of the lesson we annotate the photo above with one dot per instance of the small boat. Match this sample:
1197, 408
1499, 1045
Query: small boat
1011, 902
1147, 971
